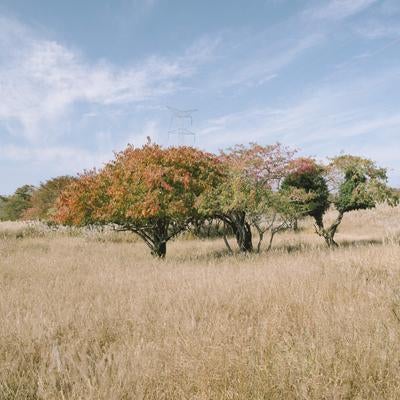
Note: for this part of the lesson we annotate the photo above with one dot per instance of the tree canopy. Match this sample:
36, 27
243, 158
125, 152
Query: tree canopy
43, 198
249, 193
151, 191
14, 206
159, 192
306, 174
347, 183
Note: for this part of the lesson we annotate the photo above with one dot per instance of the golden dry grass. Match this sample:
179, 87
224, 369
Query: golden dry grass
87, 319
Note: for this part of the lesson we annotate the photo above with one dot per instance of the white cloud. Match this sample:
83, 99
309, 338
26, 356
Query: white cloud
73, 159
65, 158
150, 130
40, 80
43, 85
70, 159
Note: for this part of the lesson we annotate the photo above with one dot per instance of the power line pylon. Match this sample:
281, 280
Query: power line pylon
180, 124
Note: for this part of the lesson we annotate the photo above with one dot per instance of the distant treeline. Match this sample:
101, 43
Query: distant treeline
159, 193
33, 203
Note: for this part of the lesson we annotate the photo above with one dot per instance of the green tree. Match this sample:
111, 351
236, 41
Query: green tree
348, 183
3, 200
306, 174
247, 193
278, 212
356, 184
15, 205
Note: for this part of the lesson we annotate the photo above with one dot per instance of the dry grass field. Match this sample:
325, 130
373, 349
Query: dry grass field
82, 317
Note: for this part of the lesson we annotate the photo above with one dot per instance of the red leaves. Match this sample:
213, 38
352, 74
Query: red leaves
140, 183
304, 165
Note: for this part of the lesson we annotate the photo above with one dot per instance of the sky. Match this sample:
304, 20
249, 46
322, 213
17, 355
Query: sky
80, 80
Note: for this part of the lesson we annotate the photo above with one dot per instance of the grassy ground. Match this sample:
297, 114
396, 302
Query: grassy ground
87, 318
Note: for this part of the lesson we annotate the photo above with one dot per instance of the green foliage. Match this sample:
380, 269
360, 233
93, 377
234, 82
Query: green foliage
248, 190
307, 175
360, 184
159, 192
353, 194
3, 201
14, 206
356, 183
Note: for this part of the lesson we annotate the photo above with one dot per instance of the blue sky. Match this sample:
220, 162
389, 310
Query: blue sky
81, 79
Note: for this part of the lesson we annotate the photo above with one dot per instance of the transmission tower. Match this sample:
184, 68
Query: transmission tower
181, 124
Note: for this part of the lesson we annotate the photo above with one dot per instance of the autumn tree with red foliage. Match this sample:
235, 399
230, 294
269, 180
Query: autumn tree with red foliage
151, 191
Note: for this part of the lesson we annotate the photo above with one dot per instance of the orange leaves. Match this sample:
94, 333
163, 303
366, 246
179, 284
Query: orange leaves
140, 183
81, 202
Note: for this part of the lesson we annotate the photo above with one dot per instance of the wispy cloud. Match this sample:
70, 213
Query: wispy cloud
71, 159
313, 78
378, 29
325, 121
41, 79
339, 9
313, 129
266, 66
66, 158
317, 119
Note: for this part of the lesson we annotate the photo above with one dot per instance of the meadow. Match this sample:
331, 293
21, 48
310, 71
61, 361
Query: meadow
93, 316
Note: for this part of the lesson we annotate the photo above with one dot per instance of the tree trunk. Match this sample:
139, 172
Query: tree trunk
329, 233
271, 238
226, 240
329, 240
159, 239
245, 240
243, 235
159, 249
241, 229
260, 239
295, 225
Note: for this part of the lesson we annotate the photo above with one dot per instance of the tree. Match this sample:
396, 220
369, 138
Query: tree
306, 174
42, 202
3, 200
348, 183
15, 205
251, 176
279, 212
356, 184
150, 191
